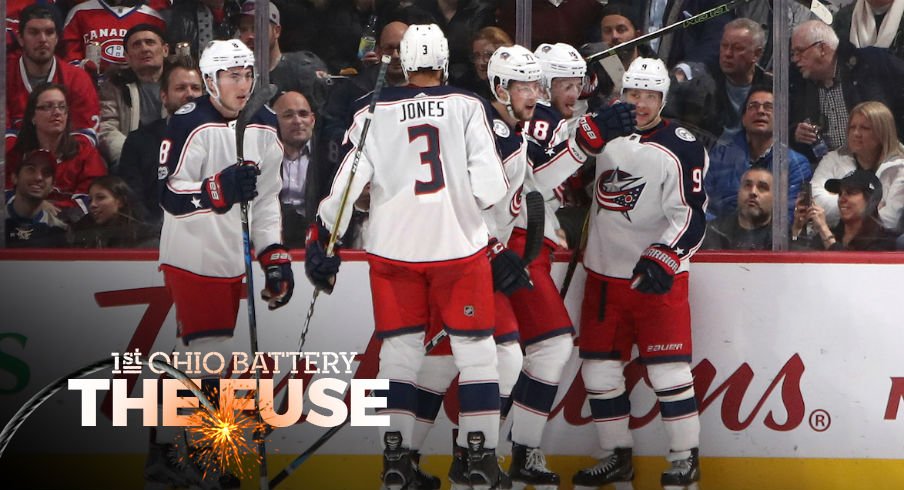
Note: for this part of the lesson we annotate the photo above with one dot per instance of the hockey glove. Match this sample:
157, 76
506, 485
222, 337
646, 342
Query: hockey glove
595, 130
320, 268
655, 271
235, 184
277, 265
509, 274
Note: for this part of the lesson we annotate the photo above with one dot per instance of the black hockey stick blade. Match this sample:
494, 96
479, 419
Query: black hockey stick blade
536, 219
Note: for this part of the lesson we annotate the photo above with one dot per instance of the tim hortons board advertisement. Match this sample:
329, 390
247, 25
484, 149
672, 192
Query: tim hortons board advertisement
797, 375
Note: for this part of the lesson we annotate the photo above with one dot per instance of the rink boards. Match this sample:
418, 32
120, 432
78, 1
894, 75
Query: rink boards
798, 370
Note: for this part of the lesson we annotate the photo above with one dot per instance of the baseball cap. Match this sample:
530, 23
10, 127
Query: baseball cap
38, 158
248, 9
859, 179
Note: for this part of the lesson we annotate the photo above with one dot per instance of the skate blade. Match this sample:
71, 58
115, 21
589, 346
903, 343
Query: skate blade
461, 486
517, 485
392, 487
624, 485
692, 486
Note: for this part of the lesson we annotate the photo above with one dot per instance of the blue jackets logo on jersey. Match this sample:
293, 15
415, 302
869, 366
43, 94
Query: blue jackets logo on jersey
617, 190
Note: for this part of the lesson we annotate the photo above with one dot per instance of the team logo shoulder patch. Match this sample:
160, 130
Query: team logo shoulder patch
187, 108
501, 128
685, 134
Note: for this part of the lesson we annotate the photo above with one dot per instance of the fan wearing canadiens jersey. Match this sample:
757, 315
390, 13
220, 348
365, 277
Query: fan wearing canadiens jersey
647, 220
432, 165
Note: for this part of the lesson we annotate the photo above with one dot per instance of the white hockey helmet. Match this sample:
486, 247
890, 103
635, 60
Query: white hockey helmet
223, 55
559, 60
647, 74
424, 47
512, 64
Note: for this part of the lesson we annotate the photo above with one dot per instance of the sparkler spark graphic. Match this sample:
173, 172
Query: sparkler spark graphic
219, 439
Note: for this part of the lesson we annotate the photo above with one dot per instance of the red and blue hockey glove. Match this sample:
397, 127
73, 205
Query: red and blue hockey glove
320, 268
595, 130
235, 184
277, 265
656, 269
509, 274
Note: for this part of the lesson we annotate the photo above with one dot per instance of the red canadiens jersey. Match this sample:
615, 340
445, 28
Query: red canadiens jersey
72, 177
96, 21
648, 189
85, 108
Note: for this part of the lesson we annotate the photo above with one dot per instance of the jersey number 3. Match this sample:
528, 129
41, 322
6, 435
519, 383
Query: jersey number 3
431, 157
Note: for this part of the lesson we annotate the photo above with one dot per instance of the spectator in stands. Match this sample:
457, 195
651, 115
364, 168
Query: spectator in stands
299, 198
555, 21
14, 10
859, 228
750, 228
873, 146
460, 21
103, 22
198, 22
131, 97
740, 50
831, 83
46, 126
116, 219
28, 223
301, 71
691, 100
618, 25
179, 84
484, 44
864, 23
38, 34
752, 147
699, 42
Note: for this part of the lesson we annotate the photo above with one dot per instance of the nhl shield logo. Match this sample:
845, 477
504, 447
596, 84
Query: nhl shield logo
469, 310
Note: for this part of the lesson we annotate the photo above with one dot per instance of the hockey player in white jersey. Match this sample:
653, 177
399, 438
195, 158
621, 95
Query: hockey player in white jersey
432, 167
543, 322
517, 74
201, 246
647, 221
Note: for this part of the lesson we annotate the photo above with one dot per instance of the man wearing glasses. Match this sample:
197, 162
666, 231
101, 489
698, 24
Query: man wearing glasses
298, 198
751, 147
831, 82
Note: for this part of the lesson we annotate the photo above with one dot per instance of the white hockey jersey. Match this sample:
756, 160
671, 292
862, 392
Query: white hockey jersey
512, 147
432, 164
648, 189
554, 157
199, 143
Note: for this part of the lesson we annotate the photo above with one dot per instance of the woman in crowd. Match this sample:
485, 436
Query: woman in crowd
46, 126
859, 228
872, 145
487, 41
115, 220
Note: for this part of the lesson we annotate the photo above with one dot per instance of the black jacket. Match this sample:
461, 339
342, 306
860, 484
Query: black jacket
138, 166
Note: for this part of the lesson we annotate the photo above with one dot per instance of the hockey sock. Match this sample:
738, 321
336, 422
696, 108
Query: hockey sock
609, 404
400, 360
478, 388
536, 389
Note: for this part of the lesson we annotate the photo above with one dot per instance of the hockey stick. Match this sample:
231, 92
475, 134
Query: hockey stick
817, 8
536, 219
573, 263
301, 458
334, 235
257, 100
44, 394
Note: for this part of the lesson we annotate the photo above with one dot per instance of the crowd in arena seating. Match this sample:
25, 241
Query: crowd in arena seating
91, 83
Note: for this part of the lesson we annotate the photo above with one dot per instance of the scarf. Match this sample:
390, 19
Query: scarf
863, 25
